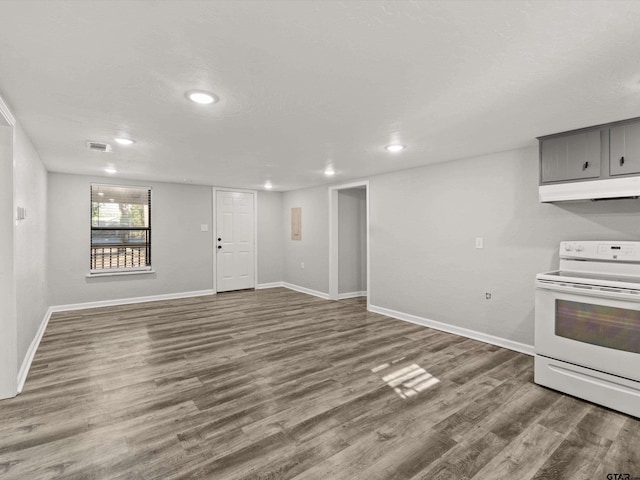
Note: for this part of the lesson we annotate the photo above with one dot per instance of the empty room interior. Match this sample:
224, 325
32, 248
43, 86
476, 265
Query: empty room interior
273, 239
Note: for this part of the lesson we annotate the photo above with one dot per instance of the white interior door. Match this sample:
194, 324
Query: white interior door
234, 241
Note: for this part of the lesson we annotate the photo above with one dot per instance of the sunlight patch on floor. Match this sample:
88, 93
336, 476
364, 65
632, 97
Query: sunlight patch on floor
407, 381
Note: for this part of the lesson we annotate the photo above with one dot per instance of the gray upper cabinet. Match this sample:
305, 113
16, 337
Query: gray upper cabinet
625, 149
570, 157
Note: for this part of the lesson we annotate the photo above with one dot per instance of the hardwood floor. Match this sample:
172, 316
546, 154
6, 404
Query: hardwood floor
275, 384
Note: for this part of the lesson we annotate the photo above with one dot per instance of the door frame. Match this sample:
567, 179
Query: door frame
334, 246
214, 229
8, 314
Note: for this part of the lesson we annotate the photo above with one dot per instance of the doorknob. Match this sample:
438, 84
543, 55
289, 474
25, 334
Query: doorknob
219, 246
219, 239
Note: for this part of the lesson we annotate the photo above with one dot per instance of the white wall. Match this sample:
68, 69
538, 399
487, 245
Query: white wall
424, 223
352, 240
23, 306
270, 227
182, 255
30, 192
313, 249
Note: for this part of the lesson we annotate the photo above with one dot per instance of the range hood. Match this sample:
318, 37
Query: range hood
609, 189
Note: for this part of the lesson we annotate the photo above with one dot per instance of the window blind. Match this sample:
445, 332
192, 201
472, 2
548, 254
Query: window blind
120, 228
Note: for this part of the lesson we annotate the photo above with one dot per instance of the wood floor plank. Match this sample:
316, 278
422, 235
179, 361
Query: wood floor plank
623, 455
565, 414
522, 457
577, 457
275, 384
403, 460
465, 459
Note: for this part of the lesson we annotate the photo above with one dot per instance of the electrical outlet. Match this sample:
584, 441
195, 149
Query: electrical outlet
302, 265
204, 227
487, 296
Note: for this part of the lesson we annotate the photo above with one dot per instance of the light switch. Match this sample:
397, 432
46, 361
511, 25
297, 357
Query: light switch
479, 242
21, 213
204, 227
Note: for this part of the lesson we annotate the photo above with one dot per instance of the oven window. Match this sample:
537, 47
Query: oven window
609, 327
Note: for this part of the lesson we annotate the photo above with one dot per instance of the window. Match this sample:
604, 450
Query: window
120, 228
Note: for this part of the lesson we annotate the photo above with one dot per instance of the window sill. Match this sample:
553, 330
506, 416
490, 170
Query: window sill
117, 274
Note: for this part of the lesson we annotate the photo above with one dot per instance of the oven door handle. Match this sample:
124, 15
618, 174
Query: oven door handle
589, 291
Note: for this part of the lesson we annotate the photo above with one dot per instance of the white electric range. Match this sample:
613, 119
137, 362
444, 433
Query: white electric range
587, 324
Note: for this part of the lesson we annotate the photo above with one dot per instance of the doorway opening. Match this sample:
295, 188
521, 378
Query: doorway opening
349, 272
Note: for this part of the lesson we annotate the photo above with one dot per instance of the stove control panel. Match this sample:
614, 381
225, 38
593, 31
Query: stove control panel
601, 250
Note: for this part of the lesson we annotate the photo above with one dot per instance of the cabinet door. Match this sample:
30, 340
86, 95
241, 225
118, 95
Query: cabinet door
572, 157
625, 149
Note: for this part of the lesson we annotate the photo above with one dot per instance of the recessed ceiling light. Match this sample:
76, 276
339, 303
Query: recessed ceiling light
203, 98
395, 148
124, 141
101, 194
268, 185
110, 170
329, 171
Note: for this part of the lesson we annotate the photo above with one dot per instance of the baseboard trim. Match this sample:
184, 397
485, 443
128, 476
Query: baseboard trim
344, 296
308, 291
126, 301
31, 352
315, 293
463, 332
262, 286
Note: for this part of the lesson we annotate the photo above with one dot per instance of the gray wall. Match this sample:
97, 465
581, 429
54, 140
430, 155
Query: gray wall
270, 227
313, 249
182, 255
30, 192
352, 238
423, 227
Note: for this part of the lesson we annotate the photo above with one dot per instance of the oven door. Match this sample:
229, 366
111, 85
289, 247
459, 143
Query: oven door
591, 327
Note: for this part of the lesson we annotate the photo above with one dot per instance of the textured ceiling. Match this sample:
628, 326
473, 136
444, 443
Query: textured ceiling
303, 84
